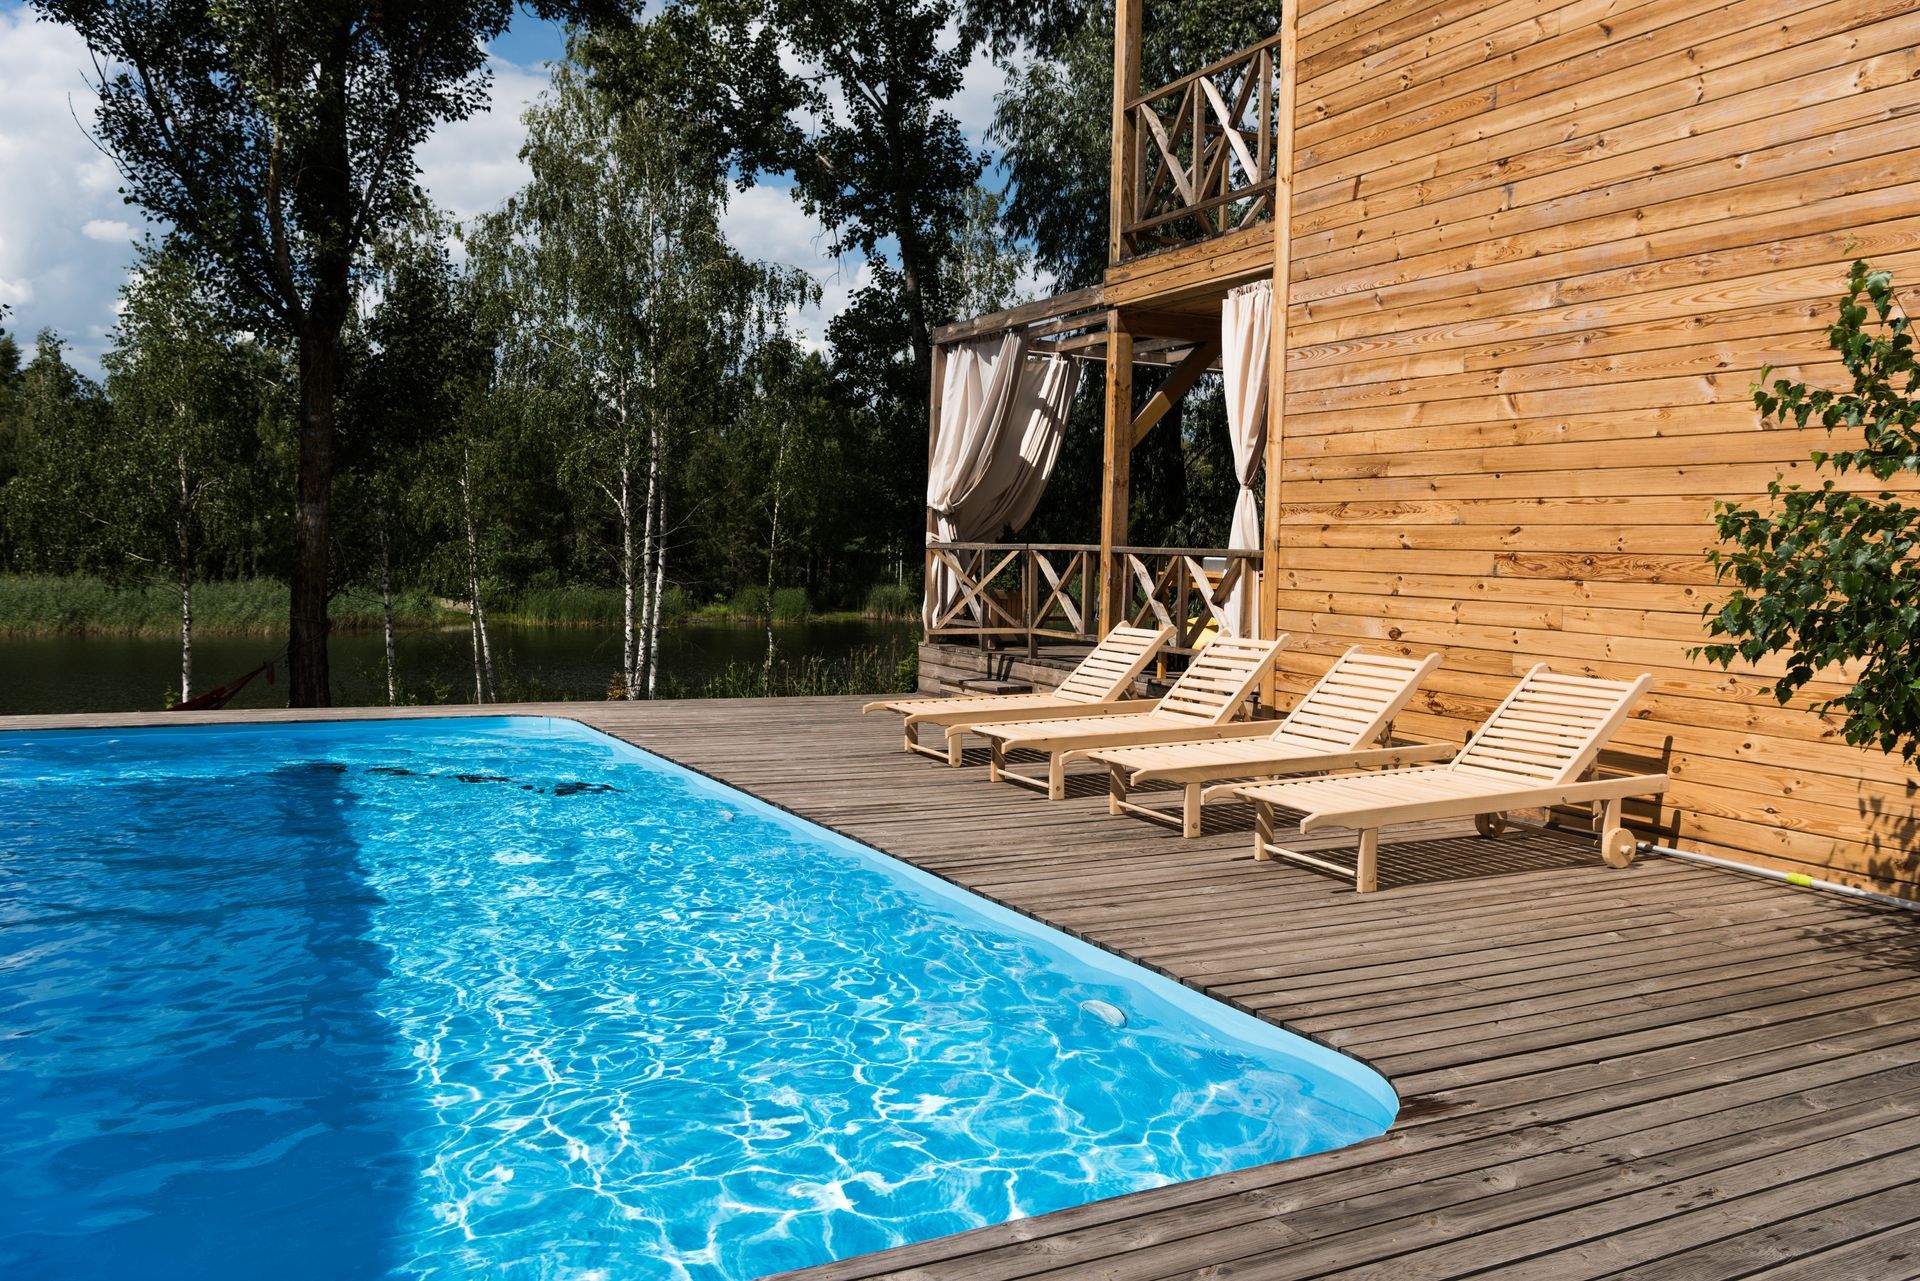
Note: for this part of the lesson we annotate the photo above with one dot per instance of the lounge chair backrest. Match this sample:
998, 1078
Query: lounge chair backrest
1113, 664
1356, 700
1550, 728
1219, 679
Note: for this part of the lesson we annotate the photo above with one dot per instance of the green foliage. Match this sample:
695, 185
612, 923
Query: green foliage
1829, 575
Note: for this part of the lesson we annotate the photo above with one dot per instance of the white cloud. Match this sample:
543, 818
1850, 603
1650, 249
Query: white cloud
108, 229
767, 224
973, 105
60, 209
472, 165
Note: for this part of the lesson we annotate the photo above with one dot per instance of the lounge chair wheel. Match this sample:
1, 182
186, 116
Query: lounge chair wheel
1618, 846
1489, 824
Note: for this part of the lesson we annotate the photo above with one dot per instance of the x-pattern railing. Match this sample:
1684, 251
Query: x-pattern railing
1203, 152
1051, 591
1194, 590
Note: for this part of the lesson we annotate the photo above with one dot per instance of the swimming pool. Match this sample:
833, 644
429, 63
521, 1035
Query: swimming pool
505, 997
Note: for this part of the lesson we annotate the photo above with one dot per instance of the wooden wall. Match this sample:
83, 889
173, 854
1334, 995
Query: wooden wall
1538, 253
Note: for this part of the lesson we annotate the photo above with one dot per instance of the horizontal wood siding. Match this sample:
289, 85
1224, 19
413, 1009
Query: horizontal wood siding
1539, 253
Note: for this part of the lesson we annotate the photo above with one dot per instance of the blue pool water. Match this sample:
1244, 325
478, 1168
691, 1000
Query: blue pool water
506, 998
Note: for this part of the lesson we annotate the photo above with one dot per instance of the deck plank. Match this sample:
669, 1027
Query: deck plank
1662, 1071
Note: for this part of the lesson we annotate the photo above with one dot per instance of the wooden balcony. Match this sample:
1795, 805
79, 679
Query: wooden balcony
1200, 154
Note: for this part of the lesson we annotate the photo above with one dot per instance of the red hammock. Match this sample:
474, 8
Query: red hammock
215, 699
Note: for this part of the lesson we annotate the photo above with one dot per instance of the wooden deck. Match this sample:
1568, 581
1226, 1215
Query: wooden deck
1668, 1071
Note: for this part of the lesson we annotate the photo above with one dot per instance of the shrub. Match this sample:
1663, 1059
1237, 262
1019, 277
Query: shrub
1830, 575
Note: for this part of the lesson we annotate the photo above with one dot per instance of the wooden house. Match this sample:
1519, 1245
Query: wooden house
1533, 255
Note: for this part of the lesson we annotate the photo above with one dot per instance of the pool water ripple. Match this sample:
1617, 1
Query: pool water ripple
508, 999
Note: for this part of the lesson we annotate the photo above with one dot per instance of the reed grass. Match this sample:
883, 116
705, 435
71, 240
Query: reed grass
82, 605
892, 600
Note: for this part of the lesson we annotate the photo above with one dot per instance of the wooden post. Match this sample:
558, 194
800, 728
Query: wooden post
1269, 595
1115, 470
927, 609
1126, 83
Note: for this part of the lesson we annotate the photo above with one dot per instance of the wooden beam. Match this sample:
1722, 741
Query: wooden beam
1266, 623
1126, 83
1178, 383
1026, 313
1115, 467
1174, 324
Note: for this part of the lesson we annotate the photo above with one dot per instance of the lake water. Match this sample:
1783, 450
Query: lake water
124, 674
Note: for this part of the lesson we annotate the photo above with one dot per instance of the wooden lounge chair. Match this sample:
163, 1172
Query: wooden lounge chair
1338, 724
1093, 688
1532, 753
1201, 704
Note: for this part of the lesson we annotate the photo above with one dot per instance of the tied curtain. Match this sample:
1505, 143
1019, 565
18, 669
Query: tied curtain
1246, 329
1003, 410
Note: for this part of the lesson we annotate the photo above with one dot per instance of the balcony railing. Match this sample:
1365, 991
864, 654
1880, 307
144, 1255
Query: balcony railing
1027, 593
1203, 153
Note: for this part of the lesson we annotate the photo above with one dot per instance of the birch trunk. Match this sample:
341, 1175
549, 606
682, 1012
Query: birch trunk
186, 635
629, 623
773, 549
642, 674
476, 609
184, 537
659, 589
386, 598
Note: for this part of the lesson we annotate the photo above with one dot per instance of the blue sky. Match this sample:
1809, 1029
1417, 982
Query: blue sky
66, 237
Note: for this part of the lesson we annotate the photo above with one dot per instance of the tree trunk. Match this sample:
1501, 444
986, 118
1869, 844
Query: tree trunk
183, 536
629, 624
308, 680
656, 557
659, 588
186, 634
483, 691
773, 549
386, 599
649, 561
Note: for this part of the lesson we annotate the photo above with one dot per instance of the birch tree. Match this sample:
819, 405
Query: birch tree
617, 292
182, 410
422, 367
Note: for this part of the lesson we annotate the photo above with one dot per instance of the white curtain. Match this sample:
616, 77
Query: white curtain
1246, 329
1003, 412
